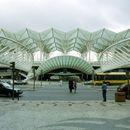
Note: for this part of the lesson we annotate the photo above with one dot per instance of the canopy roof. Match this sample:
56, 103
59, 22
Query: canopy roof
20, 46
53, 39
64, 62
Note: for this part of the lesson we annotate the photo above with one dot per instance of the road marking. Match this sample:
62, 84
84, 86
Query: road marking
123, 126
87, 121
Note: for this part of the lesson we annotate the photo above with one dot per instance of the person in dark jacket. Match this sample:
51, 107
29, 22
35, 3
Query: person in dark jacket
70, 85
104, 91
74, 86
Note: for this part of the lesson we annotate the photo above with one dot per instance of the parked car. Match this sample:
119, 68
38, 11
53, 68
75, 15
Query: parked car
88, 82
20, 82
124, 88
7, 89
5, 80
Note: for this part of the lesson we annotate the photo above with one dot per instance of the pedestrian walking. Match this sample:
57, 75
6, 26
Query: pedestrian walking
74, 86
70, 85
61, 82
104, 91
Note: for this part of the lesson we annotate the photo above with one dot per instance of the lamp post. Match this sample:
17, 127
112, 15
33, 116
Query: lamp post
93, 75
127, 75
12, 66
41, 77
34, 78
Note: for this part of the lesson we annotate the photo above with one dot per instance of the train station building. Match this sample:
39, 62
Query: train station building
54, 52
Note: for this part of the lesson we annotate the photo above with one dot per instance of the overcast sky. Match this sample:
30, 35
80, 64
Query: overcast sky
65, 15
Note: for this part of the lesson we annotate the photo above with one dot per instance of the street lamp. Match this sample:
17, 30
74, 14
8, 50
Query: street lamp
127, 75
93, 75
12, 66
34, 77
41, 77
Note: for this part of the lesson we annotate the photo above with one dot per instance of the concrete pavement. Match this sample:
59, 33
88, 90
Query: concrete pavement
66, 114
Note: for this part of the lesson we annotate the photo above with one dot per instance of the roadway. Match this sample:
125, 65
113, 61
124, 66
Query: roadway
53, 91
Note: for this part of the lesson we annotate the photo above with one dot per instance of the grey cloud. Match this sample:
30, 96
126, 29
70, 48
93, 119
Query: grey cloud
65, 15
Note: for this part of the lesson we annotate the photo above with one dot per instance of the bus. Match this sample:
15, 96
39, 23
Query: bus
112, 78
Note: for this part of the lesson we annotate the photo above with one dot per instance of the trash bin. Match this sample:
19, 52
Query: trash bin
120, 97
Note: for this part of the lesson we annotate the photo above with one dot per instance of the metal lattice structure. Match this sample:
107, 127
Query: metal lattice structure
65, 62
21, 47
116, 56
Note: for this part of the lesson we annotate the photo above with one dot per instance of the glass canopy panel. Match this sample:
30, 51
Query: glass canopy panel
2, 34
128, 34
96, 35
44, 34
109, 35
58, 41
71, 35
8, 34
121, 35
58, 34
34, 35
49, 35
19, 34
84, 34
102, 43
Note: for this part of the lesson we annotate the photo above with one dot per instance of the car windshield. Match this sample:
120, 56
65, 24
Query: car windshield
7, 85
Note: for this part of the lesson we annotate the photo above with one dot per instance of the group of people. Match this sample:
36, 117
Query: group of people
72, 86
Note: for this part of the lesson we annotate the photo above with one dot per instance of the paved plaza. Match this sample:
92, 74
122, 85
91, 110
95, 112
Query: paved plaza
64, 111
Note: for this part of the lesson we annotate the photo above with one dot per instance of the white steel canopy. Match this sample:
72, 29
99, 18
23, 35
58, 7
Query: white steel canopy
64, 62
116, 56
22, 45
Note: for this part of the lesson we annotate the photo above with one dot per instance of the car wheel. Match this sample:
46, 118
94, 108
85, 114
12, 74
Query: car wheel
9, 94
